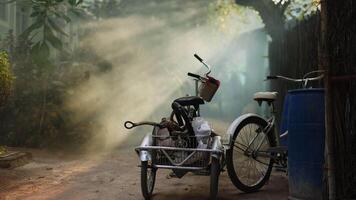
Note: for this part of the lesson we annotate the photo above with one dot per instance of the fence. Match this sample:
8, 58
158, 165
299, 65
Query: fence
297, 53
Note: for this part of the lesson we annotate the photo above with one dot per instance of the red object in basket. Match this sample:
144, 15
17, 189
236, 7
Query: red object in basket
213, 80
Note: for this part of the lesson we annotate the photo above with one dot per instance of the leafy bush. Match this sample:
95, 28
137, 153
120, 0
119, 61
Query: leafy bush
46, 72
6, 78
35, 115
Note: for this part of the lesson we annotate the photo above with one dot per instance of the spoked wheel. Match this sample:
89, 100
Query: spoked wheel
214, 178
148, 178
248, 162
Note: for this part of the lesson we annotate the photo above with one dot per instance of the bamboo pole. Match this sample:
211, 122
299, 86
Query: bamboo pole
329, 139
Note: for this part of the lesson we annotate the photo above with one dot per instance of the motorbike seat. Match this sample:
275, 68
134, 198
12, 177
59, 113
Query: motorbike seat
190, 101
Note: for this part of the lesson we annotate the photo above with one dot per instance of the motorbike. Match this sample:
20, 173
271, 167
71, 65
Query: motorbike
184, 142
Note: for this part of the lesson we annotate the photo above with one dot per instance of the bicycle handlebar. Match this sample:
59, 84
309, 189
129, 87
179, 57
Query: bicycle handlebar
271, 77
295, 80
305, 80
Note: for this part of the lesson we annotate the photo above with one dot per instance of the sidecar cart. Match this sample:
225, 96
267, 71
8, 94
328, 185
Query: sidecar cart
202, 155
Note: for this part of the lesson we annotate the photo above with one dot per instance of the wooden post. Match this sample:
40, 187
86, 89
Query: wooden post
329, 137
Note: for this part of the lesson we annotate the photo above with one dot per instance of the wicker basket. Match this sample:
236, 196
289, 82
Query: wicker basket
208, 88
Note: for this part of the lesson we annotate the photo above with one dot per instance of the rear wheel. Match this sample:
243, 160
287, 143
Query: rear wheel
214, 178
148, 178
248, 162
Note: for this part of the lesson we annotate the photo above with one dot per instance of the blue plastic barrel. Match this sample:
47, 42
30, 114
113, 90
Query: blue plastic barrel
306, 133
284, 121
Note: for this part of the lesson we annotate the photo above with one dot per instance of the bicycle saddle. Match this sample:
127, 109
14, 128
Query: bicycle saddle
265, 96
190, 101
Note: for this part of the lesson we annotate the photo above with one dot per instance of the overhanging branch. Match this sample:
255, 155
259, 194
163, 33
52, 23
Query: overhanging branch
246, 2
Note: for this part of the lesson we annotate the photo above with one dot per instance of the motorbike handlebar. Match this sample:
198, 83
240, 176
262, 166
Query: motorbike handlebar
194, 75
197, 57
206, 65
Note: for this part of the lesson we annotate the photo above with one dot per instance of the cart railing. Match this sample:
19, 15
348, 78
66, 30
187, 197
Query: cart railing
189, 152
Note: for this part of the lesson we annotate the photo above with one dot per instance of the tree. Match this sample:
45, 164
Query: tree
275, 12
272, 14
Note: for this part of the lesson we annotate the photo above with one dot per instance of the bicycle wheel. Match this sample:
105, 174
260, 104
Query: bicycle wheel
214, 178
247, 168
148, 178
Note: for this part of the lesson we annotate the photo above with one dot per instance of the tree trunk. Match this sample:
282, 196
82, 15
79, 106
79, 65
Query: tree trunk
272, 15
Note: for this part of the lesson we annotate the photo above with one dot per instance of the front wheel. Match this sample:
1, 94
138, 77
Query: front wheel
248, 162
148, 178
214, 178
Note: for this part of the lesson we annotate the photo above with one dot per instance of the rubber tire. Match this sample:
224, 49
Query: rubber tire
147, 193
229, 157
214, 178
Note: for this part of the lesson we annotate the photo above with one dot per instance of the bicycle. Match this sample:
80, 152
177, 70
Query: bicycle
254, 143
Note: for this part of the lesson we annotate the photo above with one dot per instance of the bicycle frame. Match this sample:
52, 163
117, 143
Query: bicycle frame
271, 128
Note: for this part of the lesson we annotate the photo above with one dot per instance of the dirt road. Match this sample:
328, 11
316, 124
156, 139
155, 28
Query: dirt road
113, 175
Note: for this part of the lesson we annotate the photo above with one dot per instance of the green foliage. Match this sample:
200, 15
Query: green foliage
297, 9
48, 19
6, 78
36, 114
300, 9
2, 150
274, 13
231, 17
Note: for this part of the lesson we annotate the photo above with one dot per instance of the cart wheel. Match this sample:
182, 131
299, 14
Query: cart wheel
214, 178
148, 178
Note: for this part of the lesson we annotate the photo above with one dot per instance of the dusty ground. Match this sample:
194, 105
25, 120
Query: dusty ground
113, 175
